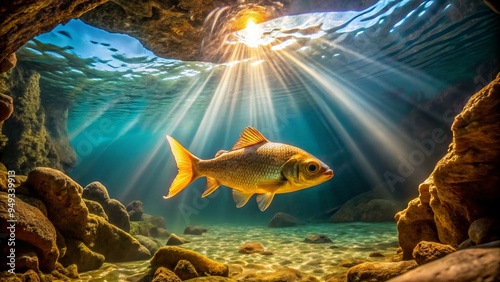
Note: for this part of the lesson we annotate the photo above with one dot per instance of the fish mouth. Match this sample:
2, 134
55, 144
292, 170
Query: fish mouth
328, 173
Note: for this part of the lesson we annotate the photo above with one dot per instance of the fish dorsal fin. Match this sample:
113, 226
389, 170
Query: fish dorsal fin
248, 137
241, 198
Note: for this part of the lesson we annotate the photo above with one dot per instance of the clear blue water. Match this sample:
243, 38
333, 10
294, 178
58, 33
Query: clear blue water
341, 91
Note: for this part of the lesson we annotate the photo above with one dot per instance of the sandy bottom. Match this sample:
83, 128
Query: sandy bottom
351, 242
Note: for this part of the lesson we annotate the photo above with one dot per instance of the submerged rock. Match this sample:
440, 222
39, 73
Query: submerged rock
379, 271
372, 206
185, 270
464, 265
282, 219
116, 211
284, 274
463, 186
317, 239
194, 230
135, 210
78, 253
163, 274
95, 208
169, 257
426, 252
175, 240
62, 197
151, 244
484, 230
251, 248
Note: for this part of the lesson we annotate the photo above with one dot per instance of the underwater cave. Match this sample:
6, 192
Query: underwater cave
254, 140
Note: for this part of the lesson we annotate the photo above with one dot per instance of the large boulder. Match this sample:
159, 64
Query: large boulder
461, 266
169, 257
32, 228
464, 184
63, 199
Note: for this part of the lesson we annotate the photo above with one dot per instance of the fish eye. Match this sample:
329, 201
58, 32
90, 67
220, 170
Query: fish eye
312, 167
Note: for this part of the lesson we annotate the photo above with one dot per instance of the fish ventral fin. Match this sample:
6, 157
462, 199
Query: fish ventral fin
241, 198
187, 164
264, 200
249, 137
212, 185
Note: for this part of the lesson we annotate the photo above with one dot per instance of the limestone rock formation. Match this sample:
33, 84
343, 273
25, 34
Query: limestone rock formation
22, 20
464, 185
27, 140
169, 257
31, 228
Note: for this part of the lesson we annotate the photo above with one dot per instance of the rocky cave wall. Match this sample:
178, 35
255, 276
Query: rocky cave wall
33, 136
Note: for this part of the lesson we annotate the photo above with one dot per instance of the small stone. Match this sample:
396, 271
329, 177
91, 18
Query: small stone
376, 255
317, 239
251, 248
426, 252
267, 253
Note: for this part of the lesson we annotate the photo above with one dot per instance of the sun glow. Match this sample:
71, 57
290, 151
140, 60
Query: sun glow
253, 33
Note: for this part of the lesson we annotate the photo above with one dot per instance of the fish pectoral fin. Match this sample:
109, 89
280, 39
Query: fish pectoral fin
241, 198
264, 200
212, 185
249, 137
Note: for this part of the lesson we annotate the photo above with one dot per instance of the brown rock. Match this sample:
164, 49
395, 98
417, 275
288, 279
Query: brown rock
317, 239
95, 191
484, 230
415, 224
8, 63
135, 210
163, 274
426, 252
62, 197
169, 257
159, 232
23, 20
151, 244
6, 107
461, 266
175, 240
26, 259
463, 186
379, 271
251, 248
185, 270
350, 262
375, 255
32, 228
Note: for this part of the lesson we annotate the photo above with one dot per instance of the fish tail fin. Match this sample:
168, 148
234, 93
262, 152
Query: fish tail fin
187, 164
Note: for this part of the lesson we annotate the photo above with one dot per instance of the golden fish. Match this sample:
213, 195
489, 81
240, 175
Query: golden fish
252, 166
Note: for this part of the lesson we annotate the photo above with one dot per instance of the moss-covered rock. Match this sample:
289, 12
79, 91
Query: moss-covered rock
95, 208
163, 274
151, 244
78, 253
